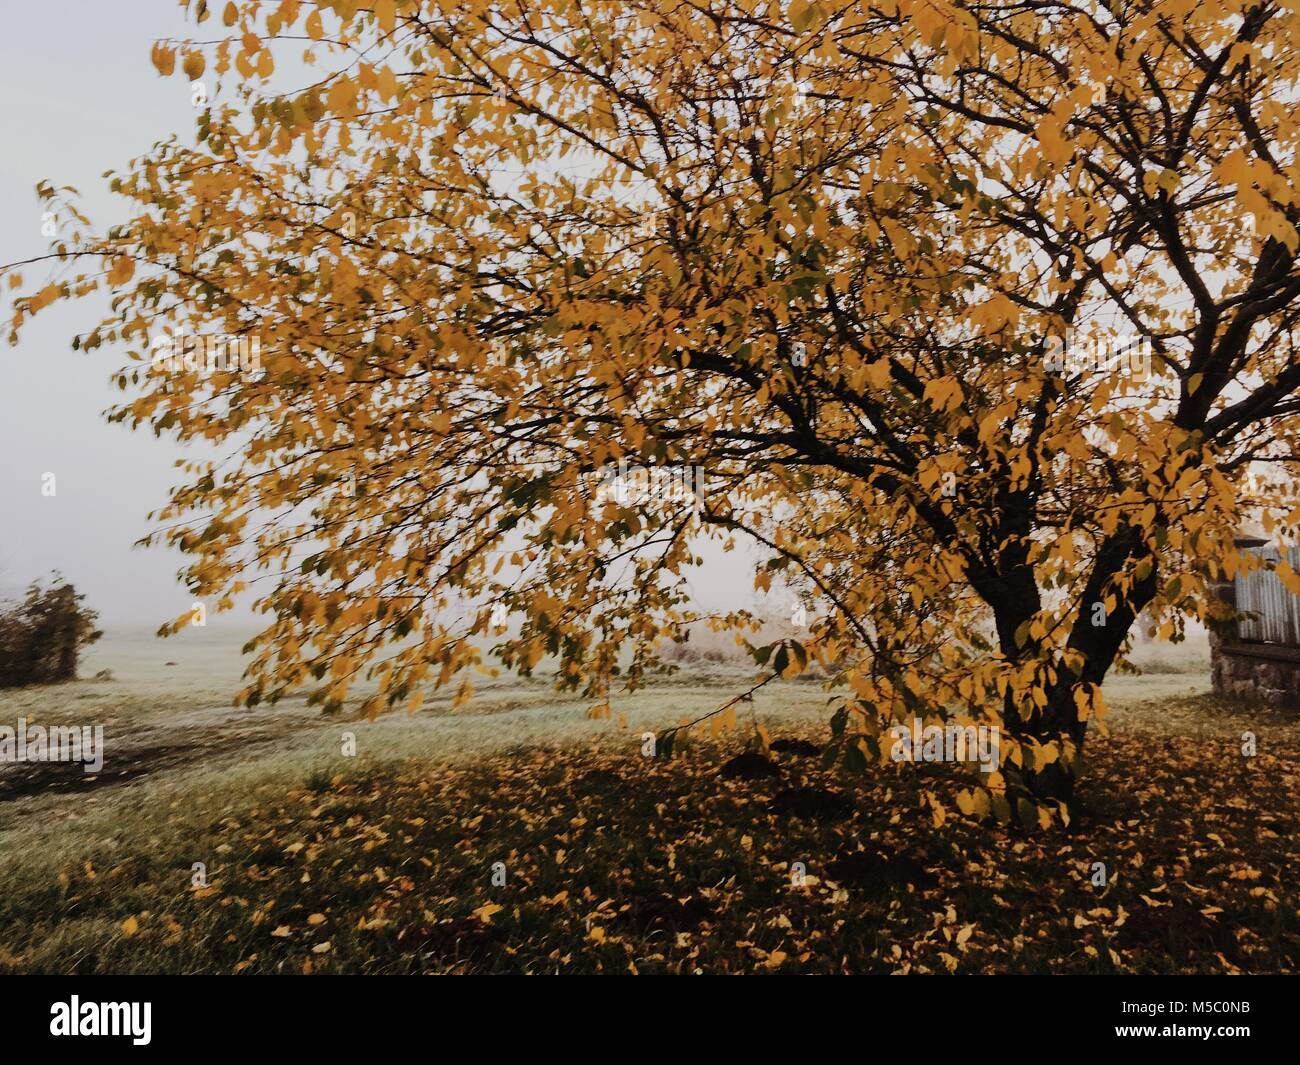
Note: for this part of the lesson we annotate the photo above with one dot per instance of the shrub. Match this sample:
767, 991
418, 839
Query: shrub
41, 637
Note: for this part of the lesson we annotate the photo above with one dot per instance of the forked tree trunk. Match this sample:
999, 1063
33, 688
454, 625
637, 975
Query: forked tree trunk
1097, 644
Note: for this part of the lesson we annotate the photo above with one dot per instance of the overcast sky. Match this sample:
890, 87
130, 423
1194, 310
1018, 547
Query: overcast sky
82, 97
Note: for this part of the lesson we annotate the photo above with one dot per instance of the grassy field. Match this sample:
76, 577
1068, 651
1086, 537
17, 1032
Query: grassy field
517, 835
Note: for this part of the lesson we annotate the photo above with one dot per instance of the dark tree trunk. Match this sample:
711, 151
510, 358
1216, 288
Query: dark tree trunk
1057, 722
1097, 644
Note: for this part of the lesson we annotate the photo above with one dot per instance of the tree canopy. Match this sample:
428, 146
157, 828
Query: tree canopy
975, 318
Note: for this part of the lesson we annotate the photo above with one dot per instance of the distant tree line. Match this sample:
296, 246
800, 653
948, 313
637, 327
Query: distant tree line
42, 636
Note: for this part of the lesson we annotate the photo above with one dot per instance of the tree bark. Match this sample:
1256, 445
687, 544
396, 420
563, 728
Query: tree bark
1097, 644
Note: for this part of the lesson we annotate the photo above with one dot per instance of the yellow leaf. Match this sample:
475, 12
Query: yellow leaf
1289, 578
1053, 145
164, 59
130, 927
1234, 170
943, 393
121, 271
45, 297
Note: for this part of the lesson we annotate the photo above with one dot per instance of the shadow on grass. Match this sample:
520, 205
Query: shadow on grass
553, 860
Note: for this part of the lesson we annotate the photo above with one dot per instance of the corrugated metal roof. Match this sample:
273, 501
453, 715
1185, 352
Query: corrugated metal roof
1276, 612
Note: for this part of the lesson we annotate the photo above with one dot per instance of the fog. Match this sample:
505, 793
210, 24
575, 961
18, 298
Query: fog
101, 104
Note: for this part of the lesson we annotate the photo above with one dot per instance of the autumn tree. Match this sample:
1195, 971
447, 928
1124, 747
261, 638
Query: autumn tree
879, 272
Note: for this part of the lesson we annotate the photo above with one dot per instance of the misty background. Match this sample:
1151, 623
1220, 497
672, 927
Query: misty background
83, 98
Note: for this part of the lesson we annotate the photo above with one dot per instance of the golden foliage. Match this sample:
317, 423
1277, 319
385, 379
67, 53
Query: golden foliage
821, 251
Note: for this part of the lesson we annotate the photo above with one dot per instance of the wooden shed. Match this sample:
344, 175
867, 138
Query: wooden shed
1258, 656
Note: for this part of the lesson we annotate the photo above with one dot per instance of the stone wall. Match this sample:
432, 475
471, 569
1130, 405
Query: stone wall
1263, 672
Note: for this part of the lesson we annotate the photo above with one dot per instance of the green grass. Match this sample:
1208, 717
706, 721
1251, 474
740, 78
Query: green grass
614, 862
